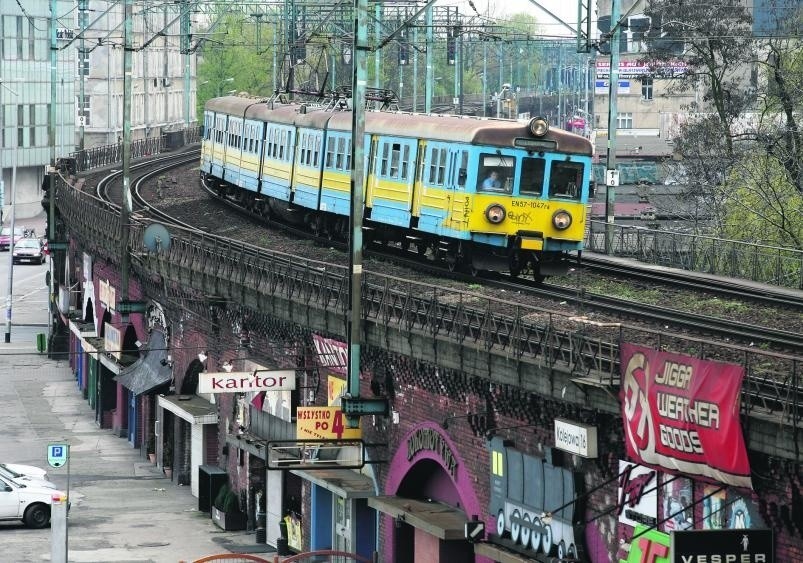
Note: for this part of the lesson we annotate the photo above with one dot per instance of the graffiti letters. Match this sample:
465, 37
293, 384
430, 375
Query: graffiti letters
632, 489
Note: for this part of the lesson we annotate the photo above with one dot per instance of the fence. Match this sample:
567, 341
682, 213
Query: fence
106, 155
766, 264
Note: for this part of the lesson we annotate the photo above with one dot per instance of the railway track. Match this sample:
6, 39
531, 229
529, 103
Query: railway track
703, 325
732, 289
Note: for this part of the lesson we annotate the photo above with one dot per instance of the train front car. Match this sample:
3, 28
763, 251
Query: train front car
533, 186
493, 194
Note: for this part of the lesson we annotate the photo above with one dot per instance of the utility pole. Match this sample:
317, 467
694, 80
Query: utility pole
126, 207
51, 215
83, 18
185, 51
430, 79
611, 176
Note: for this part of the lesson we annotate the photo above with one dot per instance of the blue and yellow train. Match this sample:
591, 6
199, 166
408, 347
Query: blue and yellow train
479, 194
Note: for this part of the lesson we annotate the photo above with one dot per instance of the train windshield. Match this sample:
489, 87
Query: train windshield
496, 173
565, 179
532, 176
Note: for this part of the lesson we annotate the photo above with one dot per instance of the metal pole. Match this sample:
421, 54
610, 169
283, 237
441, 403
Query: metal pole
83, 15
11, 245
610, 160
185, 49
415, 70
430, 80
377, 52
485, 78
358, 86
125, 209
51, 216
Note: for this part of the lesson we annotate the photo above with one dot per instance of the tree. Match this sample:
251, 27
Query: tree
740, 141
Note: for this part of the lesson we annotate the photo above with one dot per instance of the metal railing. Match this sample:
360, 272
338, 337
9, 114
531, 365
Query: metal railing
274, 282
106, 155
760, 263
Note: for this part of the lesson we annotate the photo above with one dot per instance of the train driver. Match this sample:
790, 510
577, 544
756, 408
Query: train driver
492, 183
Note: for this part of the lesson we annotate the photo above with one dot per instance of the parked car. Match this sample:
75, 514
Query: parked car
5, 236
29, 503
26, 474
29, 250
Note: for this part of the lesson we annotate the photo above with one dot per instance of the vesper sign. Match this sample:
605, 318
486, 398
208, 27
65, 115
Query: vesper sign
245, 381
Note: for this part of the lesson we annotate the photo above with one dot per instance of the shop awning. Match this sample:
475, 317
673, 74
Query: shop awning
191, 408
435, 518
148, 372
345, 483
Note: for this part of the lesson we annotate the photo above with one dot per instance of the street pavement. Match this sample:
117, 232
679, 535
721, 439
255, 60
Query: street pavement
123, 509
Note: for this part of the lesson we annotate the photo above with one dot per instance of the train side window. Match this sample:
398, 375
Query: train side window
405, 162
383, 164
462, 172
565, 179
395, 154
348, 154
532, 176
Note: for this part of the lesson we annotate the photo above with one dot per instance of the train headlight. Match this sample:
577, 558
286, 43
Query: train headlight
561, 219
539, 126
495, 213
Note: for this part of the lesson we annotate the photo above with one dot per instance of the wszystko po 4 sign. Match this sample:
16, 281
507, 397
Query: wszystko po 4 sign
57, 454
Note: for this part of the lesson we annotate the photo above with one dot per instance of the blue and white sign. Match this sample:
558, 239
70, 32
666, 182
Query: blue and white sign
57, 454
601, 87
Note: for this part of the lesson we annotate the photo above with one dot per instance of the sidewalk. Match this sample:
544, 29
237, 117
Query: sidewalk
123, 509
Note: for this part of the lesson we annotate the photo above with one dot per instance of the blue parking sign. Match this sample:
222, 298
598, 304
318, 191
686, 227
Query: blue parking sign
57, 454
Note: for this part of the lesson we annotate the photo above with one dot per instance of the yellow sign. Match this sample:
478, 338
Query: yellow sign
323, 423
335, 389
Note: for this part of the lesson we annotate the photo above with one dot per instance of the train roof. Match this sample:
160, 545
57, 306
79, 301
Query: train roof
443, 127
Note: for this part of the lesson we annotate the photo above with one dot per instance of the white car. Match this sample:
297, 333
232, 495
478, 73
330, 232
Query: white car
29, 503
26, 474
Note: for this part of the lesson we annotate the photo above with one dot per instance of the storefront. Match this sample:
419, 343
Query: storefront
151, 372
340, 517
430, 497
184, 425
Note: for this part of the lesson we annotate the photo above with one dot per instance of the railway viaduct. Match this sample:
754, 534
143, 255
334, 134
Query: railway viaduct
458, 370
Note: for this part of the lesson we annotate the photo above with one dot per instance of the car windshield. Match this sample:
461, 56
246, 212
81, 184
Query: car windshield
10, 471
28, 243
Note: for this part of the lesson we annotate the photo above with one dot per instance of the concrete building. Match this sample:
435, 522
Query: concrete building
89, 84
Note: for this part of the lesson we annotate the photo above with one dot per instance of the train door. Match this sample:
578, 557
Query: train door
372, 178
459, 202
418, 183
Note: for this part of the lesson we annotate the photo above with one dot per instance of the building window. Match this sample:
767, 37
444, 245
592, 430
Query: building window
624, 121
646, 88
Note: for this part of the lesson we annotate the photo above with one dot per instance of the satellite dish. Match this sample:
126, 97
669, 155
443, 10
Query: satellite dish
156, 237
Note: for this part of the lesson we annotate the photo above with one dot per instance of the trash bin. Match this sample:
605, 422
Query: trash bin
41, 342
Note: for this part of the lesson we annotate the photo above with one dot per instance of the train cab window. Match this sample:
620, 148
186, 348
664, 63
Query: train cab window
496, 174
532, 176
565, 179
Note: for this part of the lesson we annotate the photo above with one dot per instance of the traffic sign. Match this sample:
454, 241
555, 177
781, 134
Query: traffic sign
612, 178
57, 454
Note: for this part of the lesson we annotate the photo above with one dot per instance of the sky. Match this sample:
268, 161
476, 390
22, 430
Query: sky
564, 9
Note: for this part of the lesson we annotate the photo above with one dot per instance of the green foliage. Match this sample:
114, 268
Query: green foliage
226, 500
764, 206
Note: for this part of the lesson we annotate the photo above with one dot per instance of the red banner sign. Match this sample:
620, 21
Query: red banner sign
681, 414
